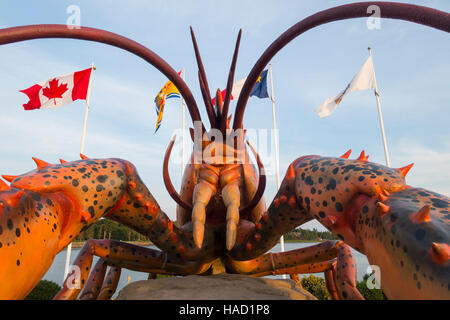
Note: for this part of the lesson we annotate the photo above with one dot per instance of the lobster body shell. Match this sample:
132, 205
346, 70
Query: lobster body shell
216, 209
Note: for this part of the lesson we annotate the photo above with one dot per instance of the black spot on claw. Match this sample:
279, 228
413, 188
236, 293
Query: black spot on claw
419, 234
332, 184
102, 178
309, 181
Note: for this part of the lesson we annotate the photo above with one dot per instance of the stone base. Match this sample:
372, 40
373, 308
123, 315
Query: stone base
214, 287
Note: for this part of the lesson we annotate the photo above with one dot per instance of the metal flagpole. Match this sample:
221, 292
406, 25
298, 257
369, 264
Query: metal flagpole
380, 116
86, 112
83, 136
183, 129
277, 159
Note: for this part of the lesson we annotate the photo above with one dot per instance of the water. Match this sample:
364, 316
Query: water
56, 271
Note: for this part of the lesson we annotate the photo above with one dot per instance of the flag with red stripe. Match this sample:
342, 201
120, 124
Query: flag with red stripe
58, 91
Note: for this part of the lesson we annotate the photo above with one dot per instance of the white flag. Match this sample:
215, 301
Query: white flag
363, 80
237, 88
235, 91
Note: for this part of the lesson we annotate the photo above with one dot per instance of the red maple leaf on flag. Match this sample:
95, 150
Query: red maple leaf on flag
54, 90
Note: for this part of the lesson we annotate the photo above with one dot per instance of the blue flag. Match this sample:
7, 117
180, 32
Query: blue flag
260, 88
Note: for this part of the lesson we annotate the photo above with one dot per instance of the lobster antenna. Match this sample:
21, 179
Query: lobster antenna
226, 104
204, 88
261, 184
219, 101
168, 183
205, 97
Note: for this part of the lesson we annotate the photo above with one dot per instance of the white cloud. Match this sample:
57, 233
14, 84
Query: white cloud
430, 169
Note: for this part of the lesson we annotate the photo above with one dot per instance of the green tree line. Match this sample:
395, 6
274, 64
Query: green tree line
108, 229
309, 235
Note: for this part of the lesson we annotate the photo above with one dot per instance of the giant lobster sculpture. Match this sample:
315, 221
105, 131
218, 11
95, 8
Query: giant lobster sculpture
222, 221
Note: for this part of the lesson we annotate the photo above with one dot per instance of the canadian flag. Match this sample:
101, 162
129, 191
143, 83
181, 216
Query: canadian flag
58, 91
235, 90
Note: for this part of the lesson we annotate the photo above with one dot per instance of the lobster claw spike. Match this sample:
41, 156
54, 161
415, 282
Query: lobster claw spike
62, 161
331, 220
382, 209
381, 197
9, 178
404, 170
363, 157
82, 156
85, 216
4, 186
40, 163
423, 215
13, 199
441, 251
128, 169
290, 172
347, 154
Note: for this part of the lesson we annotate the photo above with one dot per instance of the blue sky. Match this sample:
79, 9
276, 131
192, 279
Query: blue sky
411, 64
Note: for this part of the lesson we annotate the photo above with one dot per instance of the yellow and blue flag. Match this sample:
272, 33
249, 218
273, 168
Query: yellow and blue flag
167, 92
260, 88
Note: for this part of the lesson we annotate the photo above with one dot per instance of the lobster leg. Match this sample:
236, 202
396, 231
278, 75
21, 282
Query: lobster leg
125, 255
306, 260
327, 267
110, 284
296, 278
346, 274
330, 281
315, 267
96, 288
95, 280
